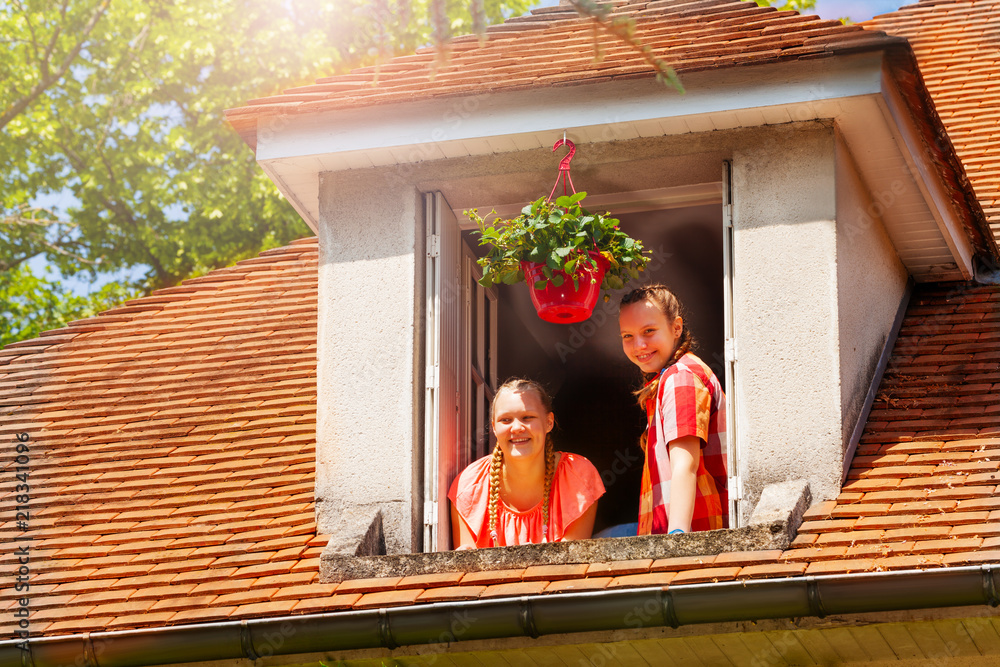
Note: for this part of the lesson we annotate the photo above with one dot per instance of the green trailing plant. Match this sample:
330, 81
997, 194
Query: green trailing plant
560, 235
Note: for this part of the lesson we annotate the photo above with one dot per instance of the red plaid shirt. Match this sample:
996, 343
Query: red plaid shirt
688, 401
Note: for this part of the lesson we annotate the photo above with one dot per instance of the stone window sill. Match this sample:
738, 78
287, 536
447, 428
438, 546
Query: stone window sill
773, 526
336, 567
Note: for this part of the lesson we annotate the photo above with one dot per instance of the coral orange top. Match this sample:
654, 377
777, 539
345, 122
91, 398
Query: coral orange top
576, 485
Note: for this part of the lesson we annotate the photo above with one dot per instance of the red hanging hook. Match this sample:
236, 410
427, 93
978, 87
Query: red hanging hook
564, 167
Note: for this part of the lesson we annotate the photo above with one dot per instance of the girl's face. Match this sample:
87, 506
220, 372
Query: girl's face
521, 424
648, 337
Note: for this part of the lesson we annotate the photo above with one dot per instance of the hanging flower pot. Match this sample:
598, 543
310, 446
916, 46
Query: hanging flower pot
566, 254
548, 244
573, 300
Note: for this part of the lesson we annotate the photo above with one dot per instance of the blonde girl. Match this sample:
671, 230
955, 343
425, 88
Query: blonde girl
684, 474
525, 491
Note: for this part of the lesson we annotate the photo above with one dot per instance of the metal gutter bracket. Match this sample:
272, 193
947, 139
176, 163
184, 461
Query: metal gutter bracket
527, 618
246, 642
990, 585
815, 601
669, 611
385, 630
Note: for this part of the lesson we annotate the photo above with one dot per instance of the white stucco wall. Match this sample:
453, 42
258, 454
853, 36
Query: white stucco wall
366, 453
872, 283
785, 302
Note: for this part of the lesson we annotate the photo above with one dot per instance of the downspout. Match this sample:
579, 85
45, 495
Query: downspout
533, 616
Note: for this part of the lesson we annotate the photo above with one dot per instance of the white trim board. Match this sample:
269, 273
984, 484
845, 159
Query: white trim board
850, 90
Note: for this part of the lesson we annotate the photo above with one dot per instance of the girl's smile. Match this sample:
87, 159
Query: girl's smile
648, 337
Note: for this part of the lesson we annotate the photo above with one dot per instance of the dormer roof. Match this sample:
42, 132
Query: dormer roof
554, 46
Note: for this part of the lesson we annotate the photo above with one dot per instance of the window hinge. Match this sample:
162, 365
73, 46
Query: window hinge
432, 376
430, 512
727, 215
433, 245
736, 488
730, 349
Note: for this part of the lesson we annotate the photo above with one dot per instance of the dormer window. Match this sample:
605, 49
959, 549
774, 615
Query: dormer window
477, 336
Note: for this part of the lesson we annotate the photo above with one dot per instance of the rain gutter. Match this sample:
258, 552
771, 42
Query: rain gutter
527, 616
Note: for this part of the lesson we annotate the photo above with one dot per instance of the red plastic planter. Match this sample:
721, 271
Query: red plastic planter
566, 304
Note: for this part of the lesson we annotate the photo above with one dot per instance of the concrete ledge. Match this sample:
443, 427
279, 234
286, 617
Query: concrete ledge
783, 501
335, 567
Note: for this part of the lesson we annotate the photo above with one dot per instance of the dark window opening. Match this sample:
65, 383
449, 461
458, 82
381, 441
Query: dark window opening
583, 364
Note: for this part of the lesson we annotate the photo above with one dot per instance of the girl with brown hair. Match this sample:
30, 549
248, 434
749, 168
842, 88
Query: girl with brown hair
684, 479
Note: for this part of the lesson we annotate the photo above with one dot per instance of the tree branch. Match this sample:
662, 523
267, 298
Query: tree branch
28, 217
624, 29
47, 81
52, 42
116, 207
31, 28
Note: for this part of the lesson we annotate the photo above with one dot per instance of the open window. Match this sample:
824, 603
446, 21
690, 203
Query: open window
495, 334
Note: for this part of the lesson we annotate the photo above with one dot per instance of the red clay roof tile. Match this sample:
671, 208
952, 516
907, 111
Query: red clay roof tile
451, 593
618, 568
768, 570
588, 584
743, 558
430, 580
387, 599
705, 575
313, 605
514, 588
681, 563
492, 577
644, 579
269, 608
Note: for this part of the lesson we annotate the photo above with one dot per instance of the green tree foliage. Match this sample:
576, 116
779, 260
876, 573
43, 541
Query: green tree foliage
32, 304
117, 109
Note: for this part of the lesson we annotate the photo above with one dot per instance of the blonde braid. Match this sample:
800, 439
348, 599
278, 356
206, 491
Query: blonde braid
550, 469
496, 465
